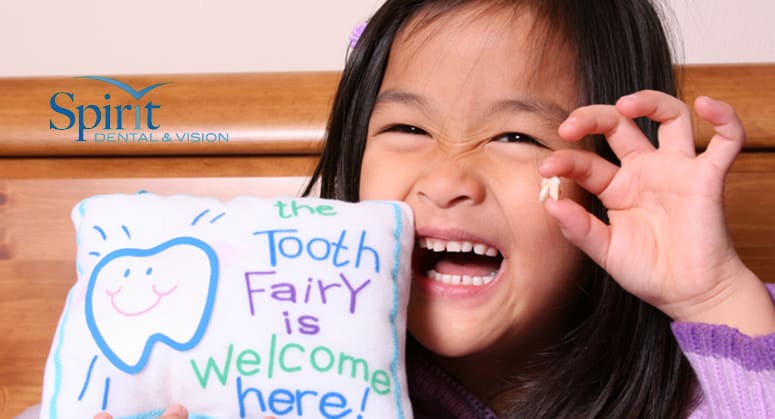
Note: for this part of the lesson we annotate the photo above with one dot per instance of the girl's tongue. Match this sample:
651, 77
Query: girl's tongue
464, 264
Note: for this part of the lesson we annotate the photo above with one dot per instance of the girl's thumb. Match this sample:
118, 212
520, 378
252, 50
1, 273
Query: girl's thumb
175, 411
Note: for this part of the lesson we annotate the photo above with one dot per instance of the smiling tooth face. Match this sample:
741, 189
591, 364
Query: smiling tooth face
137, 297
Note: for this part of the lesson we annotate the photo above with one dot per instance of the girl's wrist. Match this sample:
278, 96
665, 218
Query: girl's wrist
741, 302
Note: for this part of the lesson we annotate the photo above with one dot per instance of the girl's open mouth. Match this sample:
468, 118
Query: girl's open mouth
451, 262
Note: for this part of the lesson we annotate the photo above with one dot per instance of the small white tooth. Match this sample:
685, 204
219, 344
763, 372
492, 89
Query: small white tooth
492, 252
446, 278
425, 243
477, 280
543, 194
453, 246
466, 246
438, 246
455, 279
479, 249
549, 188
467, 280
490, 277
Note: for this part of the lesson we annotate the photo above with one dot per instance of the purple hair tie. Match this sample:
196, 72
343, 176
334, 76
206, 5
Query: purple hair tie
355, 35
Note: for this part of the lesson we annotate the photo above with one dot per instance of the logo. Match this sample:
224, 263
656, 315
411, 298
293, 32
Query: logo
131, 119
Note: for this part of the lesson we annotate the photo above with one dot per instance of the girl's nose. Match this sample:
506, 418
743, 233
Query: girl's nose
450, 183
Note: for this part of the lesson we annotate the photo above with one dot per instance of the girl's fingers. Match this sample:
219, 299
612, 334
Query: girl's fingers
622, 134
175, 411
673, 115
581, 228
730, 135
586, 168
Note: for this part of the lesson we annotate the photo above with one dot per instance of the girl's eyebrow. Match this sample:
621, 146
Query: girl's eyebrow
548, 110
402, 97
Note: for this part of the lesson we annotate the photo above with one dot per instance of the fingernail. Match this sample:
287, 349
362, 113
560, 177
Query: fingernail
707, 99
176, 409
626, 98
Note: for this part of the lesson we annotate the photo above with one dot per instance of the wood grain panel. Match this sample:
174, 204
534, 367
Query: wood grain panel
749, 88
270, 113
749, 205
264, 113
156, 167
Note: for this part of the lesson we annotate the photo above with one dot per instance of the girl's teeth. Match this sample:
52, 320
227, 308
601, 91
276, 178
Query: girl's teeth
438, 245
461, 279
458, 247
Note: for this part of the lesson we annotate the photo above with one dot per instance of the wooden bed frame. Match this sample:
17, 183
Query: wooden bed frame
259, 134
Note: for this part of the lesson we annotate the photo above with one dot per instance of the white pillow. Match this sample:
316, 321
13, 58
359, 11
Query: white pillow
292, 307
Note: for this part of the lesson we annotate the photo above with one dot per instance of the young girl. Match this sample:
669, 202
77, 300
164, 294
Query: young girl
562, 308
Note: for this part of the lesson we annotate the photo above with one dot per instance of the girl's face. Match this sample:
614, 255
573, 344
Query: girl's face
462, 119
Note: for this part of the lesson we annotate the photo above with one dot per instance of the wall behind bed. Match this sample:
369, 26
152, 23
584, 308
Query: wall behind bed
52, 37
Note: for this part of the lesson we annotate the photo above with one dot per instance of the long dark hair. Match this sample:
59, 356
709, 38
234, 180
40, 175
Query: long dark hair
620, 359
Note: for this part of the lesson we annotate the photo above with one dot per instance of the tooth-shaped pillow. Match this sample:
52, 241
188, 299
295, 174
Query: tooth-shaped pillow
286, 307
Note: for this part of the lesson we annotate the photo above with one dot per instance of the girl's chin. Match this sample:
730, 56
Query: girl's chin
445, 341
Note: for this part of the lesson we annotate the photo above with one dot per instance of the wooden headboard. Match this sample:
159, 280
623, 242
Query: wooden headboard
228, 135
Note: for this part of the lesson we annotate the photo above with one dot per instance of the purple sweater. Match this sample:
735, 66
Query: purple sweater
736, 374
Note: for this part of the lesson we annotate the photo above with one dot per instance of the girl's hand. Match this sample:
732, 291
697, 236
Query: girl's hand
667, 241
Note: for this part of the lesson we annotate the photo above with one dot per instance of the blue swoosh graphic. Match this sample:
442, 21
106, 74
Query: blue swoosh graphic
125, 87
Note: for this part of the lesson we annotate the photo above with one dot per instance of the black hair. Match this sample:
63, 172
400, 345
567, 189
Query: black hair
620, 359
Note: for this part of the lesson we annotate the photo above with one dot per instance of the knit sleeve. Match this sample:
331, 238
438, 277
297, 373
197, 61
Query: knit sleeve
736, 372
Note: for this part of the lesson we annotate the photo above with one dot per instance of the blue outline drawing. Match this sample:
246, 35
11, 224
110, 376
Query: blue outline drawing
394, 310
157, 337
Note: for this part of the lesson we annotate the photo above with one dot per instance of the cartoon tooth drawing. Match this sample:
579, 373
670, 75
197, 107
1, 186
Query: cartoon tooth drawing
137, 298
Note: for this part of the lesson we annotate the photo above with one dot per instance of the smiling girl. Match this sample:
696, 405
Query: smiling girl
561, 309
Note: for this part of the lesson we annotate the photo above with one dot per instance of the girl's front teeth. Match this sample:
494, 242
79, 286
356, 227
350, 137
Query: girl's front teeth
453, 246
438, 245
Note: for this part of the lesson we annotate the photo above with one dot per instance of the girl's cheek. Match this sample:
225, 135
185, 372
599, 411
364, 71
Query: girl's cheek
376, 176
386, 174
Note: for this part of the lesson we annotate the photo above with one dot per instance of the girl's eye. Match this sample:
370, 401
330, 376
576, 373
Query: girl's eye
517, 137
406, 129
